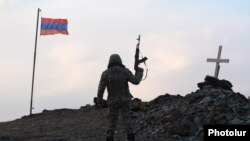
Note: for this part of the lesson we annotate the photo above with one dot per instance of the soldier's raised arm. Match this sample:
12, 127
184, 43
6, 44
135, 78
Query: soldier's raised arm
136, 79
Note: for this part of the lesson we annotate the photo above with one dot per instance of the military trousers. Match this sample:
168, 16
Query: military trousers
113, 114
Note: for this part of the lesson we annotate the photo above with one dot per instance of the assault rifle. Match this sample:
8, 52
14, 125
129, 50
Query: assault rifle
137, 60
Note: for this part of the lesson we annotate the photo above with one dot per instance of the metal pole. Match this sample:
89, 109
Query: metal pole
34, 63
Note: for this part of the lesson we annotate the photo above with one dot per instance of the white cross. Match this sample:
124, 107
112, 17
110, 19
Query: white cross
218, 60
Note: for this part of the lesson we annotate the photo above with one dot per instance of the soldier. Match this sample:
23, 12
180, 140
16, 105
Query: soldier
116, 79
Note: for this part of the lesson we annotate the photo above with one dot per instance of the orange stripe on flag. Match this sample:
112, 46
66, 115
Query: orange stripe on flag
52, 32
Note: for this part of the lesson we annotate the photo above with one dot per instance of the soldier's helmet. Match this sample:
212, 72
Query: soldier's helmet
115, 60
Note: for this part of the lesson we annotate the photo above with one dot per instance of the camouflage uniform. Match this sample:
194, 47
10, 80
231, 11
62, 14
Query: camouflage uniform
116, 79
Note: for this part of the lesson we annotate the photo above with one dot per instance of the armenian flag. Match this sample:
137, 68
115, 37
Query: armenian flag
51, 26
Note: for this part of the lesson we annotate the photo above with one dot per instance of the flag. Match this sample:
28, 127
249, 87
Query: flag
54, 26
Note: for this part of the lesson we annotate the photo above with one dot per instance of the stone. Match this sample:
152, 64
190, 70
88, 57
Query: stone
237, 121
212, 82
138, 105
207, 101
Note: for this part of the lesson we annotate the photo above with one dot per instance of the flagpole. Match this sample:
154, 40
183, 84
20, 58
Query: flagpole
34, 63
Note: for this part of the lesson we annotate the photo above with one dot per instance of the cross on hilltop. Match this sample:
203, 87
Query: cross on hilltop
218, 60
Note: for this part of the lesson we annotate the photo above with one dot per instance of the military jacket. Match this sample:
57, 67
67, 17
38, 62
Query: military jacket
116, 80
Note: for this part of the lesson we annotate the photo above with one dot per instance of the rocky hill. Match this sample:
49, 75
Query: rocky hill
166, 118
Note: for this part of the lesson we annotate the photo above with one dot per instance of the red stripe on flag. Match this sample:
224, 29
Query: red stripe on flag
52, 32
54, 21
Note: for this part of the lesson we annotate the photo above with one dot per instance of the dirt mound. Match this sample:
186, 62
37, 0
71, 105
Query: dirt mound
167, 117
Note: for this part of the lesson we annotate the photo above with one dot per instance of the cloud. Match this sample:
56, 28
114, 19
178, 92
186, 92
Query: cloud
61, 66
176, 37
3, 2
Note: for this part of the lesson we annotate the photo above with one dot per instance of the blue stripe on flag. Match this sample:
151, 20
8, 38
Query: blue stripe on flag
54, 26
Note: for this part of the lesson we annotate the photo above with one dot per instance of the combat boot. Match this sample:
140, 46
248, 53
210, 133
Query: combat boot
131, 137
110, 138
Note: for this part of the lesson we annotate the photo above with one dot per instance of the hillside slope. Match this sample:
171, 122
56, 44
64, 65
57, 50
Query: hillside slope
166, 118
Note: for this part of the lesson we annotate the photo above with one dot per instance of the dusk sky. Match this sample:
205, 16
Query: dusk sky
176, 36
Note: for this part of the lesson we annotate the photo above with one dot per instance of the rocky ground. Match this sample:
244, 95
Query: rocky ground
166, 118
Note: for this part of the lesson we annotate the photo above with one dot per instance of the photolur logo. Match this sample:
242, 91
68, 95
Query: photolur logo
235, 132
214, 132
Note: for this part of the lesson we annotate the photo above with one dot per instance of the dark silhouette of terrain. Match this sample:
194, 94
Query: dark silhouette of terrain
165, 118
